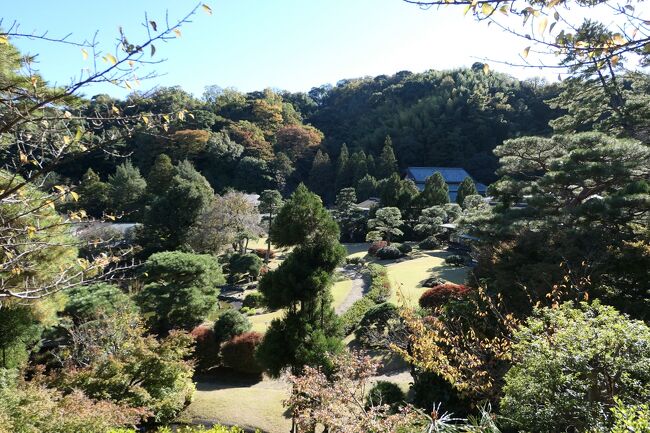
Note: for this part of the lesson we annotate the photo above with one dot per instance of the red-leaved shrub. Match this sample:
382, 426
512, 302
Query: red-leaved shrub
238, 353
261, 253
441, 294
376, 246
206, 350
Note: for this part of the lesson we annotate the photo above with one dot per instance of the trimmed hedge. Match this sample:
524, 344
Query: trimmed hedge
230, 324
455, 260
261, 253
253, 300
404, 248
386, 393
430, 243
440, 295
389, 252
206, 349
380, 291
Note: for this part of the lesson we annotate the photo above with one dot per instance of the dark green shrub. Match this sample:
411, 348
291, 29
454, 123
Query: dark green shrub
430, 243
386, 393
244, 265
354, 261
230, 324
254, 300
455, 260
238, 353
434, 281
389, 252
86, 302
351, 318
405, 248
375, 322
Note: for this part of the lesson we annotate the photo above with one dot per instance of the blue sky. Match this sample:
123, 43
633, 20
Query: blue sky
254, 44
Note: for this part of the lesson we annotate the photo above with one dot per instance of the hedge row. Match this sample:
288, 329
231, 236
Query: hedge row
380, 291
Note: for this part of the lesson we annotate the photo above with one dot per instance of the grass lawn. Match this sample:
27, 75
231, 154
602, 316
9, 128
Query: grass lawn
408, 276
248, 405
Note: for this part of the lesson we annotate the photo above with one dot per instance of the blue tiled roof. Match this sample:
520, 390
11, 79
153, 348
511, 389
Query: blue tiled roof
450, 174
453, 177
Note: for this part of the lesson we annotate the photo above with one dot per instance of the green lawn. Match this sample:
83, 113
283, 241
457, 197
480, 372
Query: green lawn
251, 406
407, 276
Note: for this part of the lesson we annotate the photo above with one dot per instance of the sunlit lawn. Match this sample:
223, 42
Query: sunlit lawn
248, 406
408, 276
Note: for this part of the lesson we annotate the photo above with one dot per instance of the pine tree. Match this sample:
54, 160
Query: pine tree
436, 191
387, 164
358, 166
93, 194
160, 175
308, 332
321, 176
466, 187
127, 188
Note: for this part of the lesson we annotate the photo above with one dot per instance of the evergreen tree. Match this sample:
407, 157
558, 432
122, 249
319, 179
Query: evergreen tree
370, 163
169, 216
343, 172
467, 187
160, 176
436, 191
366, 188
309, 329
93, 194
127, 188
270, 202
349, 217
387, 163
321, 176
358, 166
386, 224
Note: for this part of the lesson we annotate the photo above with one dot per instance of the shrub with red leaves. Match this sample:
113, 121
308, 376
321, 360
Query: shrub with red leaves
261, 253
206, 350
376, 246
443, 293
239, 353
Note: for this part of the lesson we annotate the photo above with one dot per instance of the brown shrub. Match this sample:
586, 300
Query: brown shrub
239, 353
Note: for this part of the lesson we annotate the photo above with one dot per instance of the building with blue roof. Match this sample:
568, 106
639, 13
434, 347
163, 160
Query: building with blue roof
453, 176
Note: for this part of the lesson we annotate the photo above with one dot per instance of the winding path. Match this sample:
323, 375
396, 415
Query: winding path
360, 285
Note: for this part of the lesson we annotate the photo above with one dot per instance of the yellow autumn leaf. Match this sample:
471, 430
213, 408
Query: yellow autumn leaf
115, 109
67, 115
78, 135
110, 58
84, 53
525, 52
178, 33
486, 68
541, 26
59, 188
126, 83
74, 196
553, 3
181, 115
23, 158
4, 40
206, 9
145, 119
66, 140
618, 39
487, 9
614, 60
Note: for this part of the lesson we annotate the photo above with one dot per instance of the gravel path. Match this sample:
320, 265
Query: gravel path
360, 285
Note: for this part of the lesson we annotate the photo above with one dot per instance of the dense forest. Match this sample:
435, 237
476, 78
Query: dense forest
141, 276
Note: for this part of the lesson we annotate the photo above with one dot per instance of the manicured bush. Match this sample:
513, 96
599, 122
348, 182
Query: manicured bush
261, 253
254, 300
230, 324
380, 288
430, 243
455, 260
354, 261
375, 322
440, 295
571, 363
376, 246
244, 265
387, 393
404, 248
389, 252
239, 353
206, 348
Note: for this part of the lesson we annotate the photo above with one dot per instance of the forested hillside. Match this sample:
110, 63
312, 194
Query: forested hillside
269, 139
